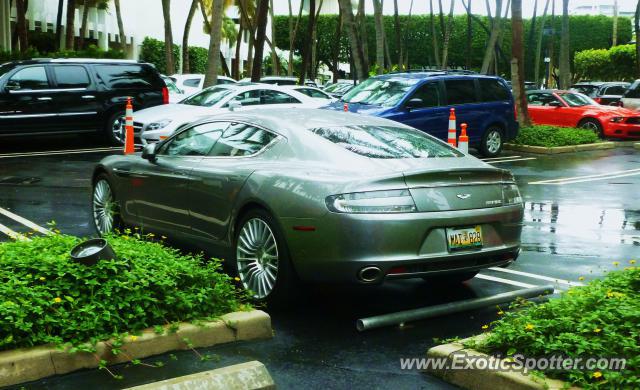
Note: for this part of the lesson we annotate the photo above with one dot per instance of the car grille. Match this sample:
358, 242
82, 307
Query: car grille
633, 120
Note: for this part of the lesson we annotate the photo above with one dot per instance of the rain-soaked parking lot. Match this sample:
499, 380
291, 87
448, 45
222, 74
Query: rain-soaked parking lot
582, 213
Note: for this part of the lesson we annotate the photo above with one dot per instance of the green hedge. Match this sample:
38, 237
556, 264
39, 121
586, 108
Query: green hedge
616, 63
550, 136
152, 51
92, 51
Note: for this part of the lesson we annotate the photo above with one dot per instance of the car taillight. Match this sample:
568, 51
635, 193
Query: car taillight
598, 100
165, 95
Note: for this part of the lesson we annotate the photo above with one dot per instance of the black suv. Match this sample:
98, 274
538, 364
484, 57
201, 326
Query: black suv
57, 96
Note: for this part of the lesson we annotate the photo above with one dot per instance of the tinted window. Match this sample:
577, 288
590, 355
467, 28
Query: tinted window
191, 83
225, 81
275, 97
385, 92
125, 76
71, 76
32, 78
541, 99
241, 140
207, 97
385, 142
615, 90
248, 98
460, 91
313, 93
430, 95
197, 141
492, 90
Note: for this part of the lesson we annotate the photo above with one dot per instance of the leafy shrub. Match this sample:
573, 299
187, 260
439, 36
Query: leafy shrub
152, 51
92, 51
198, 57
550, 136
597, 320
48, 298
616, 63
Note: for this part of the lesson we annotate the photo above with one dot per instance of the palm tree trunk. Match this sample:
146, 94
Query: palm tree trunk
168, 38
83, 26
292, 35
236, 64
336, 48
636, 27
356, 45
215, 36
274, 55
493, 38
306, 49
364, 39
123, 37
397, 28
434, 38
261, 31
71, 17
207, 23
21, 25
565, 66
536, 69
467, 7
447, 38
517, 63
377, 13
615, 23
185, 37
59, 24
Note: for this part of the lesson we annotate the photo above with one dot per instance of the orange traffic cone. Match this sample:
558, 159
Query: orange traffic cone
463, 141
452, 127
128, 129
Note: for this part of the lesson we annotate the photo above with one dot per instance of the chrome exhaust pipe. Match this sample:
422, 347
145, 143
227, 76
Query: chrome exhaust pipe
369, 274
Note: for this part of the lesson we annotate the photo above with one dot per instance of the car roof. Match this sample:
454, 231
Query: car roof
433, 74
76, 61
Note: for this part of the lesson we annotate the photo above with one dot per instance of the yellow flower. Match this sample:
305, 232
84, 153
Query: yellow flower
151, 235
616, 263
529, 327
597, 374
500, 313
614, 294
163, 237
632, 261
581, 278
237, 279
134, 338
57, 299
485, 326
125, 237
597, 330
42, 278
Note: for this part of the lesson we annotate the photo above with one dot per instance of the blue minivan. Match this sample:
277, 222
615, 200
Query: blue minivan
423, 99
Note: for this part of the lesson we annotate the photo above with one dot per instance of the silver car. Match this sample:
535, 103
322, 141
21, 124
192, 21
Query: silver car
308, 195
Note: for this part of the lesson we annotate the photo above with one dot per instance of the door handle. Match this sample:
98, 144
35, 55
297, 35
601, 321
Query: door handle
44, 99
88, 97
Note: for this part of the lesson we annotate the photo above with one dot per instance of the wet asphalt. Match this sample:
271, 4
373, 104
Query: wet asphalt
574, 227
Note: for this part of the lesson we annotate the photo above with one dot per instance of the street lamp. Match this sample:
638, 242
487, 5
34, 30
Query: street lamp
547, 61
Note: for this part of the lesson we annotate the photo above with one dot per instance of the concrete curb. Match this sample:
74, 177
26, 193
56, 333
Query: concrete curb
485, 379
28, 364
562, 149
250, 376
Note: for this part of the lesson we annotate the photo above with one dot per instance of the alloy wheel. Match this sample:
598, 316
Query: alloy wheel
494, 141
257, 258
590, 125
104, 207
118, 128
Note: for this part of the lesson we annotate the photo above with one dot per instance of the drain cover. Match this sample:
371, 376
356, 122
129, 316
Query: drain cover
16, 180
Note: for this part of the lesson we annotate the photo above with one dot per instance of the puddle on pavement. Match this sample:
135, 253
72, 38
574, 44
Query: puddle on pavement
573, 226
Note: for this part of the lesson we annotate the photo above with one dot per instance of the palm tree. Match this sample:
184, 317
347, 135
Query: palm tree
615, 23
70, 26
517, 63
306, 48
377, 13
636, 27
123, 38
434, 38
227, 30
274, 55
168, 37
59, 24
446, 36
185, 36
261, 32
21, 25
565, 66
356, 45
215, 36
397, 28
493, 36
536, 64
362, 30
293, 31
467, 7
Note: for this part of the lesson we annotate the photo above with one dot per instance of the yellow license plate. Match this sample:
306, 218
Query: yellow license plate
464, 238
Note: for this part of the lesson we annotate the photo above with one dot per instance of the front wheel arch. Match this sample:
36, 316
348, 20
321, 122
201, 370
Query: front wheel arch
598, 129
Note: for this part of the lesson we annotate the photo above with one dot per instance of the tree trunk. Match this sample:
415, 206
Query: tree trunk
83, 26
447, 37
215, 36
469, 34
123, 37
636, 26
336, 48
493, 37
292, 36
71, 17
274, 55
436, 50
532, 28
186, 66
405, 59
314, 44
261, 22
377, 13
356, 46
306, 49
21, 26
236, 66
398, 31
364, 40
565, 54
614, 40
536, 69
59, 24
168, 37
517, 63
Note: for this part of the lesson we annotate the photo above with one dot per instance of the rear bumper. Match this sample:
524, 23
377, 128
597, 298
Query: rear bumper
399, 245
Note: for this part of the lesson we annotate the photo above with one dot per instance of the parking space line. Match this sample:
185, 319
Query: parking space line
508, 281
498, 158
58, 152
12, 234
515, 159
535, 276
25, 222
586, 178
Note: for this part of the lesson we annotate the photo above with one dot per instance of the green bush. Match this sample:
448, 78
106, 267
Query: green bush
616, 63
198, 57
92, 51
48, 298
597, 320
550, 136
152, 51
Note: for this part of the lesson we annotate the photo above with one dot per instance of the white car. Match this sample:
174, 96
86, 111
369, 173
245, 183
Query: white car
175, 93
193, 83
312, 92
159, 122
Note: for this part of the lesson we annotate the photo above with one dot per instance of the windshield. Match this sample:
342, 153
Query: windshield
589, 90
385, 142
207, 97
577, 100
380, 92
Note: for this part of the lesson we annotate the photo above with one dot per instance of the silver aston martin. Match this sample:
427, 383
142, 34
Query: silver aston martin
306, 195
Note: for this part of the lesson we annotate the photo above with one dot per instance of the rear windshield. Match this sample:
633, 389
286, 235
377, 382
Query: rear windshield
385, 142
380, 92
207, 97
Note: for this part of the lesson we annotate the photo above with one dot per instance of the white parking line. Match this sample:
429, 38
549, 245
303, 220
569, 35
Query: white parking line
535, 276
498, 158
57, 152
25, 222
515, 159
581, 179
12, 234
508, 281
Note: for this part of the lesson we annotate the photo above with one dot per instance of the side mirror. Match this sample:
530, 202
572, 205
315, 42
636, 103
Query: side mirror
555, 104
149, 152
414, 103
234, 105
12, 85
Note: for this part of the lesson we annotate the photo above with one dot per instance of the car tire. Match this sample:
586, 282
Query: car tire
114, 124
492, 142
451, 279
261, 259
593, 125
105, 208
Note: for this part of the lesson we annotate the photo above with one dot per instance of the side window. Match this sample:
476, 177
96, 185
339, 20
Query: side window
430, 95
460, 91
634, 91
197, 141
27, 79
317, 94
125, 76
533, 99
615, 90
248, 98
241, 140
191, 83
70, 76
275, 97
492, 90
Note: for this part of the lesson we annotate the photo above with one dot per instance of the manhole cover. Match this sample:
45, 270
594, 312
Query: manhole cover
15, 180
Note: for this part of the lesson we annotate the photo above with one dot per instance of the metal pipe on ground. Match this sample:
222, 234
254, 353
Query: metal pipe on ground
449, 308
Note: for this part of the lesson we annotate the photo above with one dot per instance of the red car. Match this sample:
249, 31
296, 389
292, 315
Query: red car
571, 109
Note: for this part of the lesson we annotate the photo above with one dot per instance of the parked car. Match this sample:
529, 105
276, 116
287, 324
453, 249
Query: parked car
338, 90
528, 85
153, 125
572, 109
287, 195
312, 92
423, 100
192, 83
631, 97
175, 93
284, 80
608, 93
61, 96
